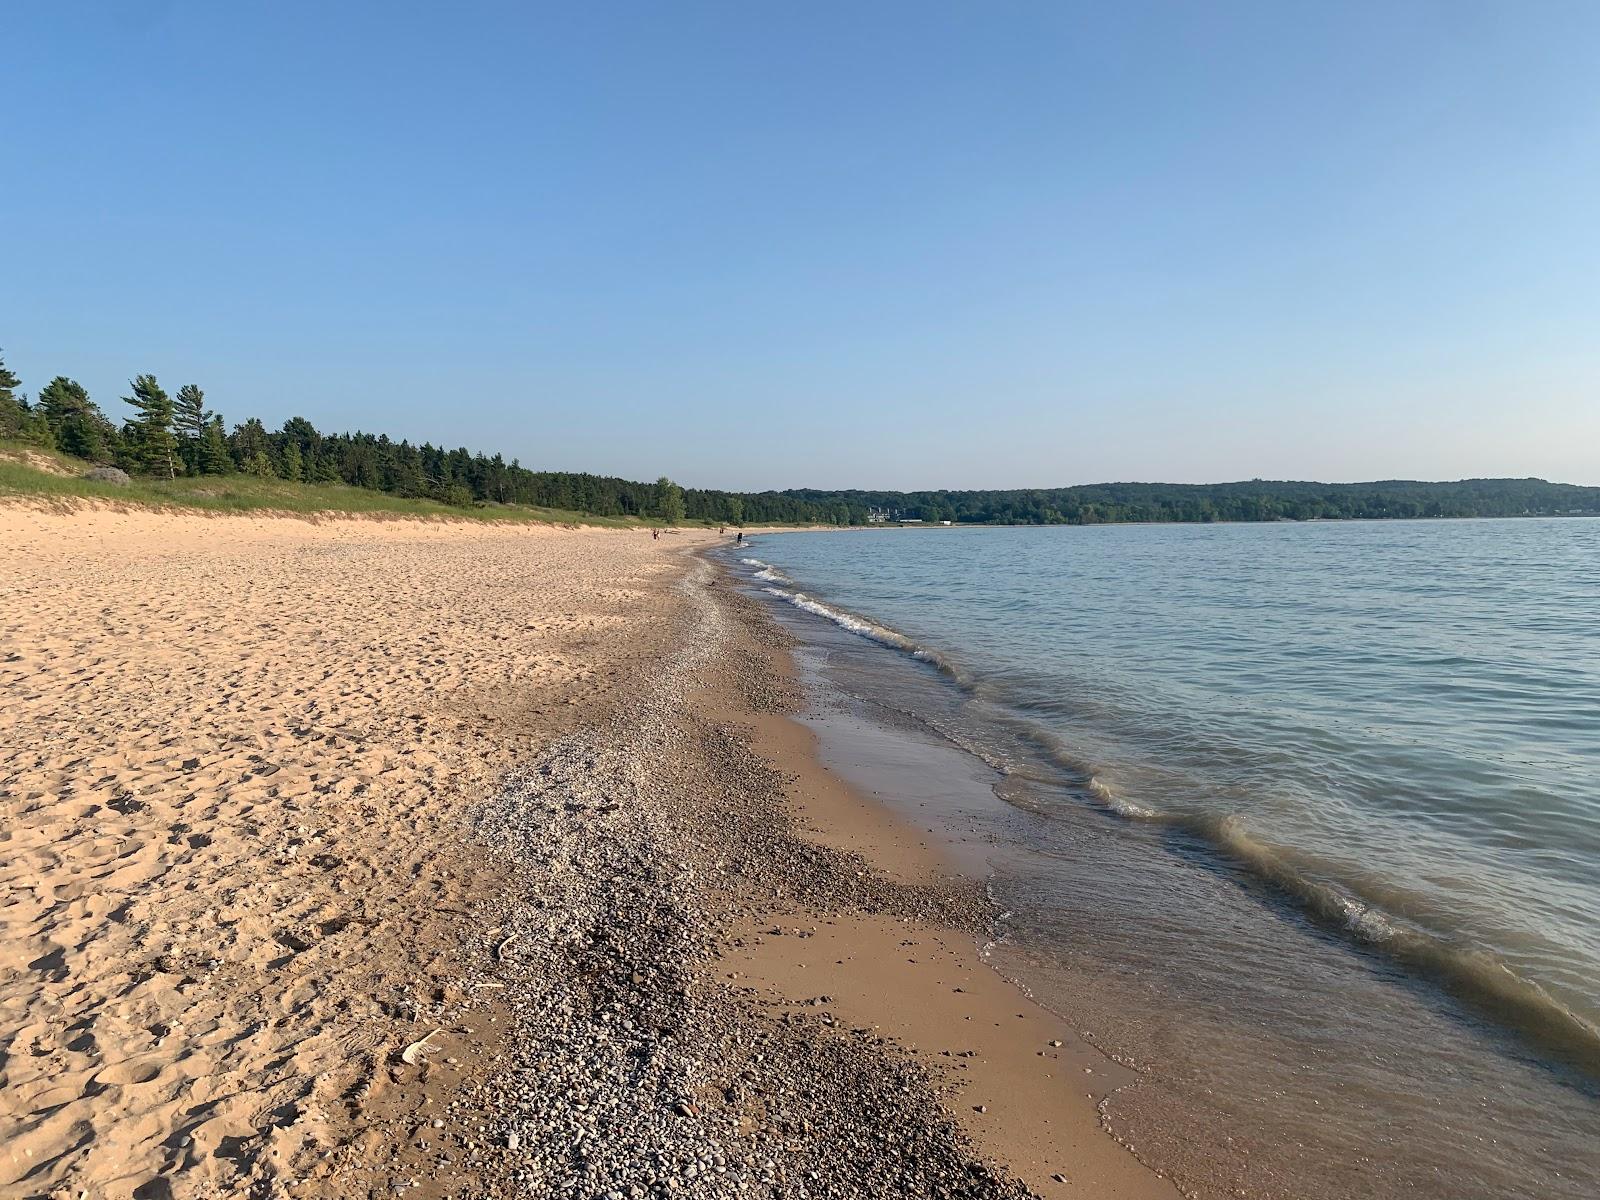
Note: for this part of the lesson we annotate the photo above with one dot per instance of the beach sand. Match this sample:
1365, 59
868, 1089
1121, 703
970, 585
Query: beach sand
360, 857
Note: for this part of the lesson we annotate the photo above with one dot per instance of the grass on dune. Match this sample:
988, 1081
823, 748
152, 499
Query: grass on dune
30, 471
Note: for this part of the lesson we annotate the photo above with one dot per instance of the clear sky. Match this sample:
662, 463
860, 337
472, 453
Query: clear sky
764, 244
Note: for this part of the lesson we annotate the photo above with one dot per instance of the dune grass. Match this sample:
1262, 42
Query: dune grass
30, 471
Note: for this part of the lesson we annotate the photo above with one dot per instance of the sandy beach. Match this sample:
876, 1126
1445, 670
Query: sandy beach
363, 857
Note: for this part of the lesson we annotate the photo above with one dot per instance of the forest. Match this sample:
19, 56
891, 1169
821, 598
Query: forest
167, 435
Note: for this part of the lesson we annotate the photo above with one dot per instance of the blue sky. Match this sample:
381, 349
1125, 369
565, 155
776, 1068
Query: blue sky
820, 244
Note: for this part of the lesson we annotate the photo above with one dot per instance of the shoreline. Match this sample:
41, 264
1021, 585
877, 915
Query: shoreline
1022, 1084
1279, 1053
470, 891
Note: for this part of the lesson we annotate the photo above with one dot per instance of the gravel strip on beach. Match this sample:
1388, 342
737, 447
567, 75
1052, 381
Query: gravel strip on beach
636, 1070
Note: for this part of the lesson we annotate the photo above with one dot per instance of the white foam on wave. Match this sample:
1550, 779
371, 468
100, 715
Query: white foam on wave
766, 572
883, 635
844, 620
1364, 920
1120, 805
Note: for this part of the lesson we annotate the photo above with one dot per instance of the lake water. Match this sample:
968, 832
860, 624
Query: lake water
1303, 820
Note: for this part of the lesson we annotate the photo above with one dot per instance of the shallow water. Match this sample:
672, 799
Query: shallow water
1303, 819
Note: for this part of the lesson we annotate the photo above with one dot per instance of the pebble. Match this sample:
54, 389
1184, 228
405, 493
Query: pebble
639, 1070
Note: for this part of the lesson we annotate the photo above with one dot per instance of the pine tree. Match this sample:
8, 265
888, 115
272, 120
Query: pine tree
77, 425
189, 413
293, 462
248, 440
154, 442
214, 456
62, 398
17, 420
189, 418
261, 466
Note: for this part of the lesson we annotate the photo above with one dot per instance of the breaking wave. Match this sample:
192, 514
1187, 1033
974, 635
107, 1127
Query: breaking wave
1471, 973
860, 626
844, 620
766, 572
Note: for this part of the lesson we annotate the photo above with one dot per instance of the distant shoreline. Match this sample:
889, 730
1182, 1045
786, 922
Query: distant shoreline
915, 526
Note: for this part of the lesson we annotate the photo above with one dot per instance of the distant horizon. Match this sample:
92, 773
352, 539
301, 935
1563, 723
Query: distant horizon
1265, 479
115, 408
111, 401
901, 242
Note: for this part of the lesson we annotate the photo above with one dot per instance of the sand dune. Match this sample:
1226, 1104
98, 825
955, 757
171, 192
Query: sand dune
233, 752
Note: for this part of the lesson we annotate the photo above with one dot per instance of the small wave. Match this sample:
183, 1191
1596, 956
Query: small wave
1120, 805
862, 627
855, 624
765, 571
1473, 974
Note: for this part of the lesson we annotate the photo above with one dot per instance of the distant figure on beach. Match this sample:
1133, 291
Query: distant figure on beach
739, 538
655, 535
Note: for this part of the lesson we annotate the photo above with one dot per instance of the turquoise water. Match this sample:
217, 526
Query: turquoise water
1332, 788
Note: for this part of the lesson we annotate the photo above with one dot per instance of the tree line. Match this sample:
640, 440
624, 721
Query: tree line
168, 436
1252, 500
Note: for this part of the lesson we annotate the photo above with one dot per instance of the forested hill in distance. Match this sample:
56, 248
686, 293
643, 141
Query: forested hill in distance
1252, 500
164, 437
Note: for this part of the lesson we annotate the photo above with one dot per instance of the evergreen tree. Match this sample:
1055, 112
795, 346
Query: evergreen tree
62, 398
153, 442
189, 414
293, 464
248, 440
261, 466
669, 501
77, 426
214, 458
9, 382
17, 419
189, 419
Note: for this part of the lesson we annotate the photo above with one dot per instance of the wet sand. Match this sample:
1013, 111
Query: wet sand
360, 857
1020, 1081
